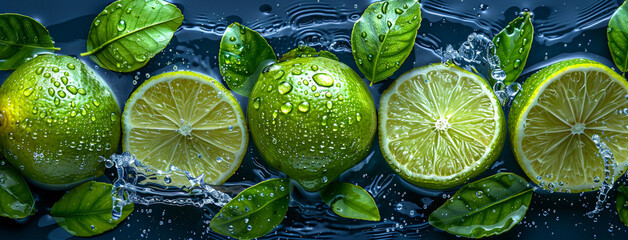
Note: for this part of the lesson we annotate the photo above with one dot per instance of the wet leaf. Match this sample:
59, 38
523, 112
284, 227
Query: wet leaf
486, 207
384, 36
617, 34
16, 200
86, 210
21, 37
128, 33
254, 212
306, 51
512, 46
243, 54
622, 204
350, 201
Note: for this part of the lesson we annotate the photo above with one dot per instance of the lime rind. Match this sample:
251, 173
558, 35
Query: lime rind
477, 166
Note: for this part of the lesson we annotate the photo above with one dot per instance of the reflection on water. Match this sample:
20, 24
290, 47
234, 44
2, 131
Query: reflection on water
563, 29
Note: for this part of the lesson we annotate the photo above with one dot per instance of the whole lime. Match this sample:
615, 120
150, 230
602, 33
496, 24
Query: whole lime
311, 118
58, 119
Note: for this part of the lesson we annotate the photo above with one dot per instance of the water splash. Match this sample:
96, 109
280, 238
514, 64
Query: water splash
609, 173
477, 54
141, 184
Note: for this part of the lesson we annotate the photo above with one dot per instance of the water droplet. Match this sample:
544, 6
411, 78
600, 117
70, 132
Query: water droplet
329, 104
55, 69
379, 16
121, 25
381, 37
304, 107
520, 50
97, 22
364, 34
384, 7
479, 194
314, 68
269, 88
128, 10
284, 88
517, 63
286, 108
389, 23
40, 70
324, 180
28, 91
82, 91
72, 89
96, 103
51, 92
61, 94
57, 84
358, 117
57, 101
47, 75
64, 80
232, 39
323, 79
398, 11
296, 71
256, 103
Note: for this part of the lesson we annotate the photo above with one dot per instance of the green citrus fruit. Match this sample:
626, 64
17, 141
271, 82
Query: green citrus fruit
553, 120
311, 118
59, 119
440, 126
187, 120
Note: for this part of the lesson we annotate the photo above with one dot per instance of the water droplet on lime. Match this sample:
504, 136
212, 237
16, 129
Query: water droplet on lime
304, 107
323, 79
284, 88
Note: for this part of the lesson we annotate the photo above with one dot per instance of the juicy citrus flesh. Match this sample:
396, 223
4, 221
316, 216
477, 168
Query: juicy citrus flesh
189, 121
60, 119
553, 137
440, 125
312, 118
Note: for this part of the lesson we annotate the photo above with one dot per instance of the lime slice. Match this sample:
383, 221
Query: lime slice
187, 120
440, 126
554, 118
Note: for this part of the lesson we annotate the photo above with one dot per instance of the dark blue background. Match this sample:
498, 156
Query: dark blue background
563, 29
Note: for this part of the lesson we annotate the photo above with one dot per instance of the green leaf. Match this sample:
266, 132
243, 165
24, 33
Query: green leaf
617, 34
622, 204
350, 201
16, 200
512, 46
86, 210
254, 212
21, 37
128, 33
306, 51
486, 207
384, 36
243, 55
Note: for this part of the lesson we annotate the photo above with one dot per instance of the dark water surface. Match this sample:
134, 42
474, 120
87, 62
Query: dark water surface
563, 29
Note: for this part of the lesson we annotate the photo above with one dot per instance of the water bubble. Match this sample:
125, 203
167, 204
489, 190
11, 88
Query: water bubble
27, 92
72, 89
284, 87
324, 121
398, 11
479, 194
358, 117
323, 79
232, 39
329, 104
121, 25
384, 7
304, 107
256, 103
286, 108
96, 23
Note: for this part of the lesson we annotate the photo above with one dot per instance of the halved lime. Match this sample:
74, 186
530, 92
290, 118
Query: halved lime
554, 118
440, 126
187, 120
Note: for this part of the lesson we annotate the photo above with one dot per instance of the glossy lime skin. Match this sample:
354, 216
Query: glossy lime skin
311, 130
59, 120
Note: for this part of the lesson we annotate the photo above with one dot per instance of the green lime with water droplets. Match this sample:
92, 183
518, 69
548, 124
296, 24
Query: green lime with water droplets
58, 119
311, 118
